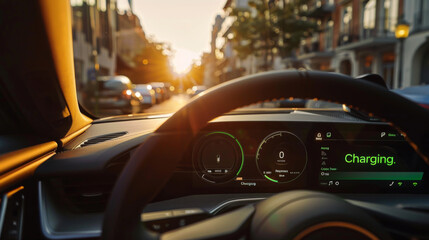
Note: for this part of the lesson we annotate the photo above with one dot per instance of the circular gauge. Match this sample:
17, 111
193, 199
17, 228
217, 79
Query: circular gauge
218, 157
281, 157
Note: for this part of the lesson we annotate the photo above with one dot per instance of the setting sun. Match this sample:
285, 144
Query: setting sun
182, 60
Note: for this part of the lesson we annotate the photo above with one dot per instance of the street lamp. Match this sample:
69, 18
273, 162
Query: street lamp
401, 33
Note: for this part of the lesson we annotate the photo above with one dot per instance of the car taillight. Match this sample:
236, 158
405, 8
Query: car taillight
424, 105
127, 94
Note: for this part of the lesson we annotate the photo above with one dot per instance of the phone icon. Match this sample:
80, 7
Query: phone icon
391, 184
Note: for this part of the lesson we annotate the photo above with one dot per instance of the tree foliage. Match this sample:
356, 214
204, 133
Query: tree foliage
152, 63
268, 27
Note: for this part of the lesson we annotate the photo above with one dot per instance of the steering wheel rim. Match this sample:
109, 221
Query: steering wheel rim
152, 164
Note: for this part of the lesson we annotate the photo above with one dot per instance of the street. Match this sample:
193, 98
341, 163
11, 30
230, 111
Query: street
175, 103
169, 106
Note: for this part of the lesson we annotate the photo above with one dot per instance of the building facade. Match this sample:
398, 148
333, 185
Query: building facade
317, 51
228, 64
131, 41
366, 40
356, 37
94, 42
210, 60
416, 46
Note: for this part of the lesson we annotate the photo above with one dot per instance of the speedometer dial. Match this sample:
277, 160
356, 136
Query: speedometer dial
281, 157
218, 157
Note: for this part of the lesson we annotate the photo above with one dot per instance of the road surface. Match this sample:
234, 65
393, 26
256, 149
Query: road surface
171, 105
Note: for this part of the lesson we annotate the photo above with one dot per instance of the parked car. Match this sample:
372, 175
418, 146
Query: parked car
159, 89
168, 90
418, 94
116, 93
196, 90
147, 93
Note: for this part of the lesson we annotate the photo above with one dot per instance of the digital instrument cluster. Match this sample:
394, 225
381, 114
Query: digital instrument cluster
218, 157
281, 157
340, 157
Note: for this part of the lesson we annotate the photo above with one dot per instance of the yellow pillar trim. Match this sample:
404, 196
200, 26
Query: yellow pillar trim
57, 18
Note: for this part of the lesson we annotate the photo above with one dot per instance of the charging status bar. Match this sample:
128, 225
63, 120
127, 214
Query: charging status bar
365, 176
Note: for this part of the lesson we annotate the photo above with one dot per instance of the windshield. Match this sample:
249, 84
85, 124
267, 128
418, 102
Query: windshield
136, 57
112, 85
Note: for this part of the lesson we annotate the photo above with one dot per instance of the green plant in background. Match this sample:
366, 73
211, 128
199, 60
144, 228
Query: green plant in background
269, 28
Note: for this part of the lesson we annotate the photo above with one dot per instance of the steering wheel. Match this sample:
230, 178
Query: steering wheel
289, 215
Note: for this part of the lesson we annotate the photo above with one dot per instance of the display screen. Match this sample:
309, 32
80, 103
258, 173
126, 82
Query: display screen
372, 160
339, 158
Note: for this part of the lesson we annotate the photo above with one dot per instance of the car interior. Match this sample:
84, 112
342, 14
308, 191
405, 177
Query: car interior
211, 170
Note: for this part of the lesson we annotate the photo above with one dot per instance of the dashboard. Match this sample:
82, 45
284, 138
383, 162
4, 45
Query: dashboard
237, 159
278, 156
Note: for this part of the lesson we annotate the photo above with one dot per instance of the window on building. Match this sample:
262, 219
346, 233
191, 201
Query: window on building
76, 2
102, 5
421, 16
388, 71
346, 24
315, 43
425, 14
366, 66
424, 69
346, 67
78, 72
390, 11
369, 11
329, 34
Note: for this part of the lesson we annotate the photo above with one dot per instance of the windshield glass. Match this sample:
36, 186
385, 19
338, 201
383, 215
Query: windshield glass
112, 85
146, 56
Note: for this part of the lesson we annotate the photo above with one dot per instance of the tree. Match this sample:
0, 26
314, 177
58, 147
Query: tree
269, 27
152, 63
293, 24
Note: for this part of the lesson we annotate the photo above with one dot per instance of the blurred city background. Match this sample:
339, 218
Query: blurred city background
121, 69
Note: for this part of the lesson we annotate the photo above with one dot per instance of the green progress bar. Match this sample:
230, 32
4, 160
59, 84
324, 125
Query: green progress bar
273, 180
404, 176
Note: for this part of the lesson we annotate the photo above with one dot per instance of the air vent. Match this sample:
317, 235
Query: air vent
99, 139
85, 194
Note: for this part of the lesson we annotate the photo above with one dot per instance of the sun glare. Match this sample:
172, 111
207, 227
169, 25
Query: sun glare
182, 60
